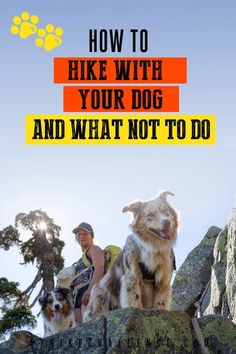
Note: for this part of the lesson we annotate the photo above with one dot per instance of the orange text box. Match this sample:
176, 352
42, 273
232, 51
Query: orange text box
120, 70
121, 99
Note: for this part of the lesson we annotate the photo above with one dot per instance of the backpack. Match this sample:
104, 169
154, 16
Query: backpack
111, 253
67, 275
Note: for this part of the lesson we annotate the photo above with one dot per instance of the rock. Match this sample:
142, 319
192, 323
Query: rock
223, 274
5, 350
217, 284
148, 331
204, 302
88, 338
194, 274
208, 276
219, 334
231, 266
140, 331
20, 340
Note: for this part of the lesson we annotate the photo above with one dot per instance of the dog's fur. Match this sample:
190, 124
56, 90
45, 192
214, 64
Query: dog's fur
57, 311
141, 275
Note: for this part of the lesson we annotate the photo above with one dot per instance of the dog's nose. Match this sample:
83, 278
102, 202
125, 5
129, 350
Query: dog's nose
57, 307
166, 223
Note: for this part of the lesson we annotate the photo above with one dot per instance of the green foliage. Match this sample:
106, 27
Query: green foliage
41, 241
8, 289
29, 250
16, 318
58, 262
33, 219
9, 237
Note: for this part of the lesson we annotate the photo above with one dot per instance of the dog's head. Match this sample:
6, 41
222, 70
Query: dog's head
154, 219
56, 304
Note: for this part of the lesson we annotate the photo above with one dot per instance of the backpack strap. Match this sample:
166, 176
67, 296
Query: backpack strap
86, 259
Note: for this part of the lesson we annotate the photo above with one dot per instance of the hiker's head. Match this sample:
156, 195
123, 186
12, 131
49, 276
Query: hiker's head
84, 235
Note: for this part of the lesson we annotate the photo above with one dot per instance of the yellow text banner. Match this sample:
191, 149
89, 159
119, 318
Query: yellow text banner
120, 129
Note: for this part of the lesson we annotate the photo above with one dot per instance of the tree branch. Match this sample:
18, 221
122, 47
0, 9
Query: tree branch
35, 300
34, 283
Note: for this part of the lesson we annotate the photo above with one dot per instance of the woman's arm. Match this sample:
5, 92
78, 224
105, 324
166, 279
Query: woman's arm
98, 261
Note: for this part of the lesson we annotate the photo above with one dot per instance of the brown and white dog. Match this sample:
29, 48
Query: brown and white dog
57, 311
141, 275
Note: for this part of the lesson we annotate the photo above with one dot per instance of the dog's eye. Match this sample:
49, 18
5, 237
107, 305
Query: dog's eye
50, 301
60, 299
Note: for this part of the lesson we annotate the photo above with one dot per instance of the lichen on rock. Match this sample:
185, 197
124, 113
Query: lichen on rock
194, 274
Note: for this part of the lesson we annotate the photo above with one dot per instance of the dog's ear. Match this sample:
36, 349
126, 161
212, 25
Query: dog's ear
164, 195
64, 291
42, 299
134, 207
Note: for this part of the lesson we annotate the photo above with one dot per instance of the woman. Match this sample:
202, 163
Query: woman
89, 268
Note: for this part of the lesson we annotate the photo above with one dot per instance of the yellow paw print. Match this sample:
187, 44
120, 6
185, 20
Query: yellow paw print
49, 38
24, 25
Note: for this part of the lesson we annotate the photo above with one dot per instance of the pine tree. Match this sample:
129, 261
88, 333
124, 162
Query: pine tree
42, 249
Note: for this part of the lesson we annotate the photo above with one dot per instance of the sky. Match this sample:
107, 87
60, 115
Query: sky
93, 183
